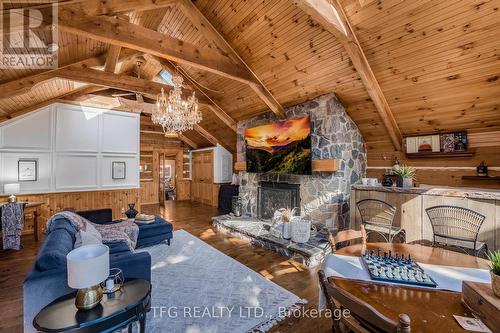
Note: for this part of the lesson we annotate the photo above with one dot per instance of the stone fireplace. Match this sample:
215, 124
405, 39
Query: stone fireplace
273, 196
324, 196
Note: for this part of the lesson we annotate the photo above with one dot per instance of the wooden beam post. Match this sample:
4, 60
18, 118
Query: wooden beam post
188, 141
82, 90
203, 132
112, 58
117, 81
117, 32
206, 28
330, 14
23, 85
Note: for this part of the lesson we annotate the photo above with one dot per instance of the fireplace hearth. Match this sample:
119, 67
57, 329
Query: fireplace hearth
274, 195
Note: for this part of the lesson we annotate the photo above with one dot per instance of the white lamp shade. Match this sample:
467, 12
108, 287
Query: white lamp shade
88, 266
12, 188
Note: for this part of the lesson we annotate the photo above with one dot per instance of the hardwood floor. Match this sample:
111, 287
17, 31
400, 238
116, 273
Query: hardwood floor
194, 218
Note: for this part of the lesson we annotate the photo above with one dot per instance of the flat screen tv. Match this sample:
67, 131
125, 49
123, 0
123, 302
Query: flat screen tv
283, 147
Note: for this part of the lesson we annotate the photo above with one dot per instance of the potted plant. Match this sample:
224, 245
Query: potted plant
405, 174
494, 258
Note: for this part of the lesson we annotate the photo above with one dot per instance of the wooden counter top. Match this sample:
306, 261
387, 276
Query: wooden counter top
470, 193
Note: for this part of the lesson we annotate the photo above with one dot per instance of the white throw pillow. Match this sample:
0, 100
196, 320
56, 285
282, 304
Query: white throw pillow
88, 237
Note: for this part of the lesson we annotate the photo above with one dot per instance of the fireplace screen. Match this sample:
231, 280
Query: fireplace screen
273, 196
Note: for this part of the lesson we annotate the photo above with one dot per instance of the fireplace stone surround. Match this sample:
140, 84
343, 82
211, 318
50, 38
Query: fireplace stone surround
324, 196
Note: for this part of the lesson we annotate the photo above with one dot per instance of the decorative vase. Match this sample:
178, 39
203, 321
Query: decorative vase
407, 182
237, 206
131, 212
495, 284
482, 170
286, 230
301, 229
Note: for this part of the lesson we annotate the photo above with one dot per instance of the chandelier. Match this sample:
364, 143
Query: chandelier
173, 113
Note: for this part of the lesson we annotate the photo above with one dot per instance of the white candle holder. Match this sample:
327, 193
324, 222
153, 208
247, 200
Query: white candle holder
114, 281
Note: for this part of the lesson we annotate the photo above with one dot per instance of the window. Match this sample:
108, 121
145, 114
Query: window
165, 77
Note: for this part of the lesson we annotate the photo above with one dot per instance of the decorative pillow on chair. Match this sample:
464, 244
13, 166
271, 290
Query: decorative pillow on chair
88, 237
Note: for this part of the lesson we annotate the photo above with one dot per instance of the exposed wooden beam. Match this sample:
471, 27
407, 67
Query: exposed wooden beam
113, 31
112, 58
330, 14
206, 29
188, 141
214, 107
89, 7
113, 7
43, 104
25, 84
203, 132
118, 81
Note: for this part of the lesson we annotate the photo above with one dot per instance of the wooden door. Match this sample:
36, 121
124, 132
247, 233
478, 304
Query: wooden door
202, 184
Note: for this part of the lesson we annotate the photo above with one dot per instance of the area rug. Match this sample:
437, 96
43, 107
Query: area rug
198, 289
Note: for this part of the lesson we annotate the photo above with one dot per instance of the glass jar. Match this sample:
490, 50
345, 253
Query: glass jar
237, 206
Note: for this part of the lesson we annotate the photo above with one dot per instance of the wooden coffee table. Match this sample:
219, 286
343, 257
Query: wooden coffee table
429, 310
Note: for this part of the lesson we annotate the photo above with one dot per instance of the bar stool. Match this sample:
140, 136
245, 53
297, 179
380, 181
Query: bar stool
378, 217
457, 227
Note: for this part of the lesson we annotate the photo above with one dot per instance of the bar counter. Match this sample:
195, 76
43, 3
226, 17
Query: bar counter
411, 203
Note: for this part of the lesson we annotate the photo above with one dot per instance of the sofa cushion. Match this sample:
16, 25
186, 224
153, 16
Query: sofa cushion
88, 237
53, 252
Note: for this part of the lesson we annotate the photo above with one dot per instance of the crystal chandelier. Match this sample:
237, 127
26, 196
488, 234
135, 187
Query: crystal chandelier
173, 113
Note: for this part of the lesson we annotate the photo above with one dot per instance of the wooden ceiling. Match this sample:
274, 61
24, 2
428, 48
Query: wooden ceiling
436, 63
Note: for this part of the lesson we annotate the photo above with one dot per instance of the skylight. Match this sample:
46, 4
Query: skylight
165, 77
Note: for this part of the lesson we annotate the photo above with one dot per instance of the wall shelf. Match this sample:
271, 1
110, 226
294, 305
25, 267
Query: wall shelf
467, 153
317, 166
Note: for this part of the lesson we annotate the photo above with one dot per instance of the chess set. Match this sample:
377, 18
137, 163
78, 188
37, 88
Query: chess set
398, 269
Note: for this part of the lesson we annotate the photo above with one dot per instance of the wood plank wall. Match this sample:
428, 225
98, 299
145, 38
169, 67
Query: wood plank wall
55, 202
443, 171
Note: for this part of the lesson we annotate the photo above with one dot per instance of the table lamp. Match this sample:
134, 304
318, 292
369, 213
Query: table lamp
88, 266
12, 190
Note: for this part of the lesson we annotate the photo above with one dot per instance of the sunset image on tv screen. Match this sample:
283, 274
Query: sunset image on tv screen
281, 147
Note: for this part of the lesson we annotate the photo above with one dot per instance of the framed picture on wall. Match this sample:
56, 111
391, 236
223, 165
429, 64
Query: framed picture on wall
118, 170
27, 170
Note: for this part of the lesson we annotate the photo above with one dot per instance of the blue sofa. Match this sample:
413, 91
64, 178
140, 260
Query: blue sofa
47, 279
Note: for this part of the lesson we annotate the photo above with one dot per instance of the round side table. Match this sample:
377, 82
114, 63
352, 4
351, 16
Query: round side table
117, 310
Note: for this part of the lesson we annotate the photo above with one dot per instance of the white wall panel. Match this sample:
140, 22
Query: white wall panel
74, 147
131, 174
9, 167
76, 172
120, 133
77, 129
31, 132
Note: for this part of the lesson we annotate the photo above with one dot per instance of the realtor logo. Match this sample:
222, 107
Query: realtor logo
28, 34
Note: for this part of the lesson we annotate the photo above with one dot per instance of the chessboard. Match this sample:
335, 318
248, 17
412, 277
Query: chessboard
396, 269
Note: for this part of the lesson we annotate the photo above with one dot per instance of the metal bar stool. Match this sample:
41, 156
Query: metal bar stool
378, 217
457, 227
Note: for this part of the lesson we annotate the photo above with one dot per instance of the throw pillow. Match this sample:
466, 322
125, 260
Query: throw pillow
87, 237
